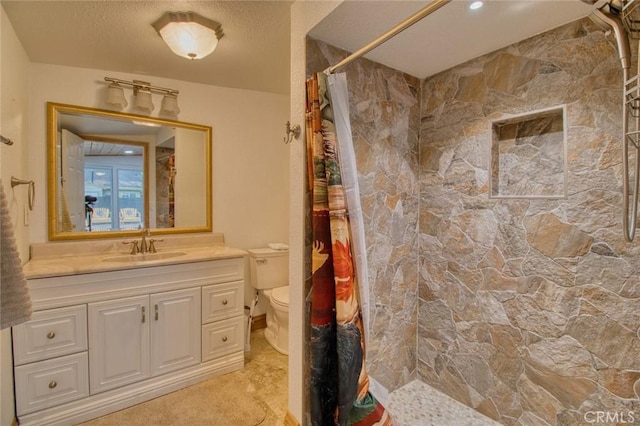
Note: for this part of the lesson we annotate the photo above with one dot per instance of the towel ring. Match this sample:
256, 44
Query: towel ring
32, 189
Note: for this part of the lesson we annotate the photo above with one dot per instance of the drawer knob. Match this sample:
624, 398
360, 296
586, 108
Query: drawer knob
53, 384
51, 335
225, 301
224, 339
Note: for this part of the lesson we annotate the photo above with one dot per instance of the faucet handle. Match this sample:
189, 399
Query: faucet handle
134, 246
152, 246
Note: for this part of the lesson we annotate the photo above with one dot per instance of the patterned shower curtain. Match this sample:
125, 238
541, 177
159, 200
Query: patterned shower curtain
339, 382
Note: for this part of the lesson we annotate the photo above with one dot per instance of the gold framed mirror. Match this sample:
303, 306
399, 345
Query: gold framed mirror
112, 174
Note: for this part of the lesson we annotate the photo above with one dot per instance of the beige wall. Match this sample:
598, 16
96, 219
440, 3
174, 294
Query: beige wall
250, 161
14, 85
247, 147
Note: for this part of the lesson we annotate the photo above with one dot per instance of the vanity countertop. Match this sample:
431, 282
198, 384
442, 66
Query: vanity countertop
71, 258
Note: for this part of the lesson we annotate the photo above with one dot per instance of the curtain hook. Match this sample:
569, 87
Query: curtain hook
291, 132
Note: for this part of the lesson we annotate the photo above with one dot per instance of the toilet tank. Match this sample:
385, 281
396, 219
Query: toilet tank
269, 268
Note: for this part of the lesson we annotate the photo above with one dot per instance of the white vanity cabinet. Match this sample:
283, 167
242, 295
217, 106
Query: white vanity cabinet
138, 337
101, 342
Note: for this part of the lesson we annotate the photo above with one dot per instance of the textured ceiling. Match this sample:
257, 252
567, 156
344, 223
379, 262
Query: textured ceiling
117, 36
254, 52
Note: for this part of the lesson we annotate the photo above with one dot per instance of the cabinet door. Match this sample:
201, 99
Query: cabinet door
175, 330
118, 342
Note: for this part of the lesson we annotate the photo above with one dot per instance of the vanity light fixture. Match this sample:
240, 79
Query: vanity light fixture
142, 91
169, 104
188, 34
115, 96
143, 99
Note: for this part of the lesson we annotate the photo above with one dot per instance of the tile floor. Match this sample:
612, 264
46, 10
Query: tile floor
418, 404
265, 379
255, 395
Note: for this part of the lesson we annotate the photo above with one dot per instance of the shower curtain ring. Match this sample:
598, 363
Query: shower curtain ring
291, 132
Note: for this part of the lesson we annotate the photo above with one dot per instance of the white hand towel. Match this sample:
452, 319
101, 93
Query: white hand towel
15, 302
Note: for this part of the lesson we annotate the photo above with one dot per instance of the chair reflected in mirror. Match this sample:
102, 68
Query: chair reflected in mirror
130, 218
101, 219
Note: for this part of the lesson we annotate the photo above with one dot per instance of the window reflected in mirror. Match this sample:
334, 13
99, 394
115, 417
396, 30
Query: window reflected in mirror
114, 182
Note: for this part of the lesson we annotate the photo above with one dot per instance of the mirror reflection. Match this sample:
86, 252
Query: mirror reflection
113, 182
114, 174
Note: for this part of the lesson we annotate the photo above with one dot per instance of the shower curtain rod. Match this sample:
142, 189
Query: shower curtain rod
422, 13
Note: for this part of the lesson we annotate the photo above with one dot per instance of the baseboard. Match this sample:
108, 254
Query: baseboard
258, 322
289, 420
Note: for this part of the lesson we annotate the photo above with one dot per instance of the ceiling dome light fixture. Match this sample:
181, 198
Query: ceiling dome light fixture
475, 5
188, 34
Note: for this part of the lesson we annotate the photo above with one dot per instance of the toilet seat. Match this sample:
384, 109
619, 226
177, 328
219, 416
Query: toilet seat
269, 276
280, 297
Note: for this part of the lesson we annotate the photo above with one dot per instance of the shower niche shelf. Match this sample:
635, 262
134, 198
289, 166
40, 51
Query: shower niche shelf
529, 155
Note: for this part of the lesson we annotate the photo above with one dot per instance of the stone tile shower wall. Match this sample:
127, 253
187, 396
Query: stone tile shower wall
529, 309
385, 119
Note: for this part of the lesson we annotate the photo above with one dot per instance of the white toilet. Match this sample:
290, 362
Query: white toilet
270, 274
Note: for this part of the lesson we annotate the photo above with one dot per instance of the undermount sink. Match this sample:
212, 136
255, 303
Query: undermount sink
144, 257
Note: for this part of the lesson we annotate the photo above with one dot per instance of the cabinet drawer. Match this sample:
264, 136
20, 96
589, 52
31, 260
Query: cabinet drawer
51, 333
222, 338
222, 301
48, 383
